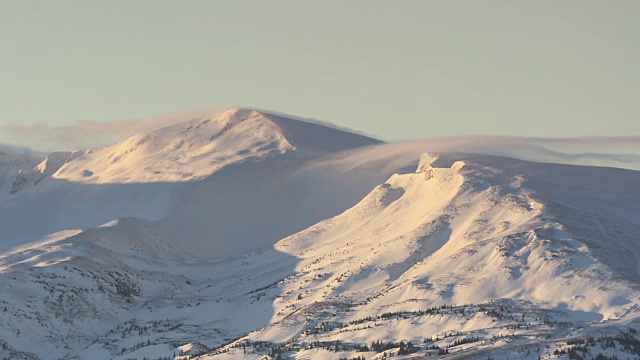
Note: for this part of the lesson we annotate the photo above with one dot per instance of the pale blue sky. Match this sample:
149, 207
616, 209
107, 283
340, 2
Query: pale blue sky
395, 69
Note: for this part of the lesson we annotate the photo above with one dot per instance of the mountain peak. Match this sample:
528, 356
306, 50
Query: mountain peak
241, 113
199, 147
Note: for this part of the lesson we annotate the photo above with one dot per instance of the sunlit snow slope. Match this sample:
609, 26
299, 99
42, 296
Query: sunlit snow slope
555, 243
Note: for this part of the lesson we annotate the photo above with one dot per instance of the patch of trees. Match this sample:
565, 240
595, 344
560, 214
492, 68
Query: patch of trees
463, 341
403, 347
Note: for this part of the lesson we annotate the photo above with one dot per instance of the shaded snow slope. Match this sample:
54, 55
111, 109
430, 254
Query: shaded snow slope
66, 289
13, 172
308, 135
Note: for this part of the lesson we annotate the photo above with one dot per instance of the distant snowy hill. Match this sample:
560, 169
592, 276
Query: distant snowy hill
250, 235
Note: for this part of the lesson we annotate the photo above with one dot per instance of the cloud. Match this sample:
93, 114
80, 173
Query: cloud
90, 134
18, 150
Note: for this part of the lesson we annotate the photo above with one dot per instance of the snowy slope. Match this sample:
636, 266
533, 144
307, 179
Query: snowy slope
67, 288
13, 170
244, 233
197, 177
499, 221
463, 231
466, 231
182, 152
198, 148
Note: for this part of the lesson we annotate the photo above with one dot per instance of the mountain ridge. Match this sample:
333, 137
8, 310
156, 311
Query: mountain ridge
311, 243
150, 176
196, 148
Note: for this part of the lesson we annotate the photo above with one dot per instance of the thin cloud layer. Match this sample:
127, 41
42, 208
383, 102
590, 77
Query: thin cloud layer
90, 134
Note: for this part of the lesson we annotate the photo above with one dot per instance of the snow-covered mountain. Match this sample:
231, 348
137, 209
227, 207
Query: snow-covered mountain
198, 178
250, 235
470, 252
196, 149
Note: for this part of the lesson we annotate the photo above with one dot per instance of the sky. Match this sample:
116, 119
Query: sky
393, 69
